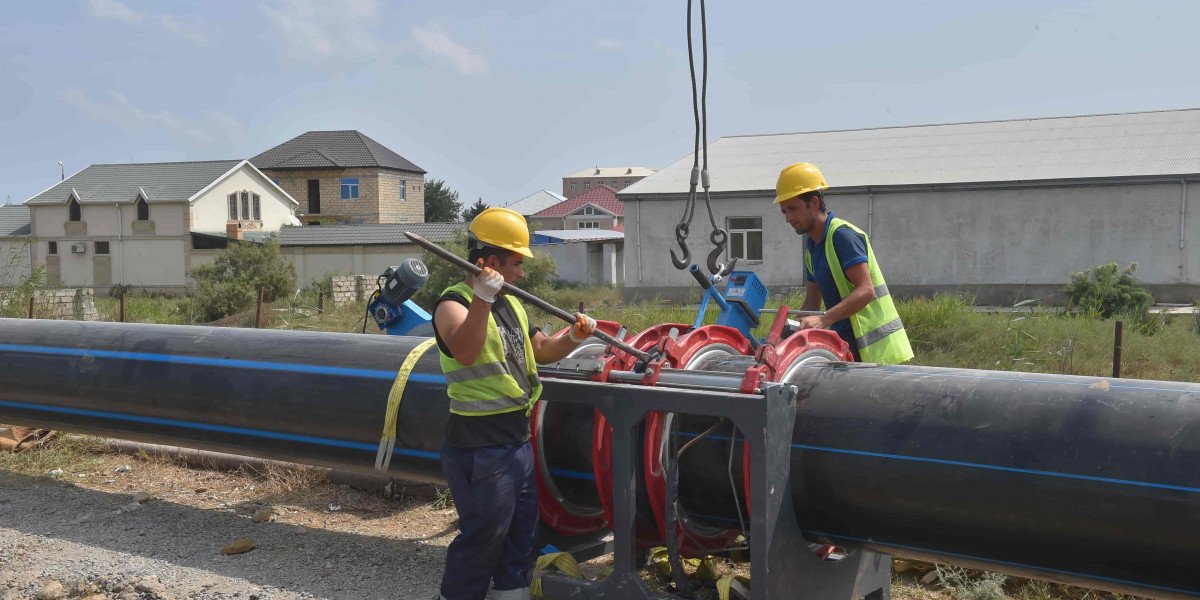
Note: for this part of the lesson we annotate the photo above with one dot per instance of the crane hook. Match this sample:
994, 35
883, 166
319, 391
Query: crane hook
720, 239
681, 233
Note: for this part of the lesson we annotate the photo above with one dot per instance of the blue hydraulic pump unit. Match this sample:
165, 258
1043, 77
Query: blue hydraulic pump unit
741, 304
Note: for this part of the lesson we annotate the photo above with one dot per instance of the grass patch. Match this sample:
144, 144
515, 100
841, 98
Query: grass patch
69, 453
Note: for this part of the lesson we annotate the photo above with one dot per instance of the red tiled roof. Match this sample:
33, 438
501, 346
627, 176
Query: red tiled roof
619, 227
601, 195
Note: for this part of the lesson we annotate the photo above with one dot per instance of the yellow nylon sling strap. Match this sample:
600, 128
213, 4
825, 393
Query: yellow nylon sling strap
560, 561
387, 443
727, 584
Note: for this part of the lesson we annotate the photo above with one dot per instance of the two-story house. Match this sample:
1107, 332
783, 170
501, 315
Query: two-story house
136, 224
597, 208
346, 177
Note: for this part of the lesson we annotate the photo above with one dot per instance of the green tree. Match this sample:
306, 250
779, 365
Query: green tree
441, 202
474, 210
230, 284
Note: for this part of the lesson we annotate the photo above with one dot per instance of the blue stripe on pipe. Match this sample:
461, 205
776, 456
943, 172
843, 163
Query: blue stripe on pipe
222, 362
1192, 592
570, 474
960, 463
275, 435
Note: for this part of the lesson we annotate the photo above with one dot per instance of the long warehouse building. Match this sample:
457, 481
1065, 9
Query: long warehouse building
1005, 210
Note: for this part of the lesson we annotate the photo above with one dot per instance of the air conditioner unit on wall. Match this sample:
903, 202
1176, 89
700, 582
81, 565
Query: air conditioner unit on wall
78, 248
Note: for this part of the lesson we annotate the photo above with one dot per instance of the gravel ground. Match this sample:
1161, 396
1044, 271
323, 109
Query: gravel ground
63, 540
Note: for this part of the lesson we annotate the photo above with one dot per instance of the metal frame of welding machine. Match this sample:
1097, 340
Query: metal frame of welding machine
782, 566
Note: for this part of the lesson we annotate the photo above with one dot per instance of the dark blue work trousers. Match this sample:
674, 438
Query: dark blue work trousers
495, 494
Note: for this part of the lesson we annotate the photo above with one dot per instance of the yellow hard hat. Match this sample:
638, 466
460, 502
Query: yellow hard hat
502, 228
800, 178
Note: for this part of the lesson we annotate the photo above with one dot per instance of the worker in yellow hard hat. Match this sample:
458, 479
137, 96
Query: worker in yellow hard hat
840, 270
489, 354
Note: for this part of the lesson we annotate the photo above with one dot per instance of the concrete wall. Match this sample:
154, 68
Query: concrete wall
14, 260
210, 212
379, 194
997, 243
314, 263
587, 263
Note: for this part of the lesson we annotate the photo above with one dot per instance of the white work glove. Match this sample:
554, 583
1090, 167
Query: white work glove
583, 328
488, 283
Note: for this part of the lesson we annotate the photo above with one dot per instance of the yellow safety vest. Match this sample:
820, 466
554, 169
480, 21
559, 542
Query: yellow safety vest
878, 332
486, 387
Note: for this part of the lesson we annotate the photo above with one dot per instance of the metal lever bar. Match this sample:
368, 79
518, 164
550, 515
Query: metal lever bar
458, 261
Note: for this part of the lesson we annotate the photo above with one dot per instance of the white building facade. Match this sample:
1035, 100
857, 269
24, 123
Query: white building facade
1003, 210
132, 224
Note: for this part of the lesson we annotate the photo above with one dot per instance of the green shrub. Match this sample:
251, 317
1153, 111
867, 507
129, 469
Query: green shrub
1107, 291
230, 284
14, 299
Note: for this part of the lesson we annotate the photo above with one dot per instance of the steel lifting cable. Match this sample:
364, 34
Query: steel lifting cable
699, 176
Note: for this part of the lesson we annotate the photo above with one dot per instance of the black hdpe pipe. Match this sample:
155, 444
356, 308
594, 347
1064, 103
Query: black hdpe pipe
1081, 480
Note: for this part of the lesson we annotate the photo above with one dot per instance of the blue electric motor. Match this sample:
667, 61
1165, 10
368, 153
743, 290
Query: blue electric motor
391, 306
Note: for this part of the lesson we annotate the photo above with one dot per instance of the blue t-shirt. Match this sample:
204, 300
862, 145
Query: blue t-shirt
851, 250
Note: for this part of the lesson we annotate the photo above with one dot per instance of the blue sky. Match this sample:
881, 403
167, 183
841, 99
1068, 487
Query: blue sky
501, 99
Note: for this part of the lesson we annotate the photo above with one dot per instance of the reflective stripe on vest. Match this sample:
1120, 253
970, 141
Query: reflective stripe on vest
486, 387
879, 333
477, 371
878, 330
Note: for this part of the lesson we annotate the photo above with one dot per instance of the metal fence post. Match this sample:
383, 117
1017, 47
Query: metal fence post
258, 312
1118, 339
122, 304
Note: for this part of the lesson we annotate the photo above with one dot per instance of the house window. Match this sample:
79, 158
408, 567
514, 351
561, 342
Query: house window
589, 210
256, 206
143, 210
627, 182
73, 211
277, 182
589, 224
349, 188
233, 207
52, 248
101, 247
574, 185
745, 238
245, 206
587, 185
403, 183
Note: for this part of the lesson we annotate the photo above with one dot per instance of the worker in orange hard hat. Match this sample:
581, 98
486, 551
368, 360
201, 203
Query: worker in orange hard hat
840, 270
489, 354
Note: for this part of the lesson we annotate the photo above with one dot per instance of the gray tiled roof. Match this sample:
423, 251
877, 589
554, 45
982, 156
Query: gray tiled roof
174, 181
247, 234
14, 220
367, 235
332, 149
1162, 143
